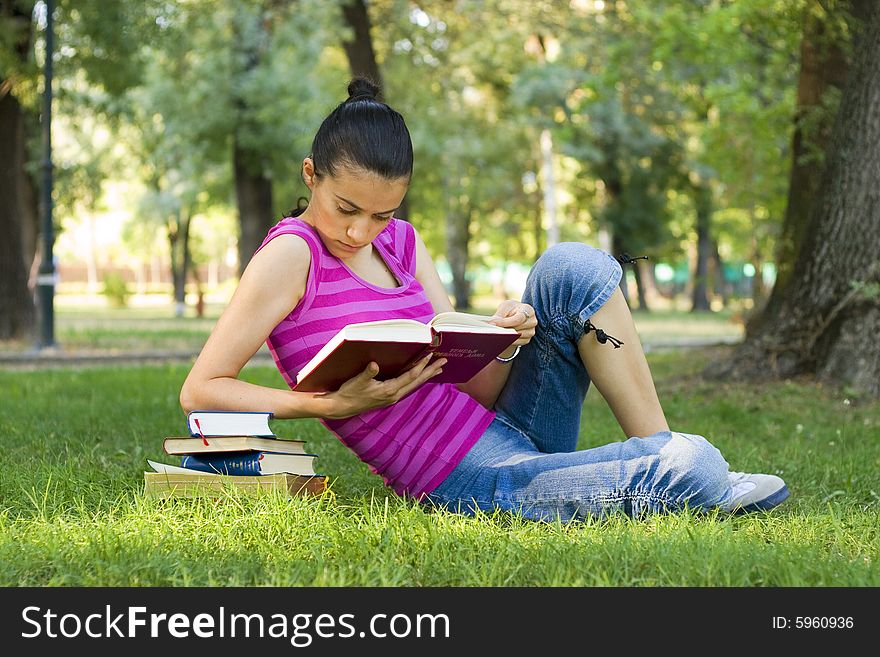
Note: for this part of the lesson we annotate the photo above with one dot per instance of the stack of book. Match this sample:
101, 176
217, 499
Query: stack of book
233, 451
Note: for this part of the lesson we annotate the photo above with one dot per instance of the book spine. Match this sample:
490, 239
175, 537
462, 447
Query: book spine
238, 465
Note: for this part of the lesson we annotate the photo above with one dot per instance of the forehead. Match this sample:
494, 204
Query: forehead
365, 188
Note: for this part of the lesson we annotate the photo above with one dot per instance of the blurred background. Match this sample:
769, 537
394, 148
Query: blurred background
690, 131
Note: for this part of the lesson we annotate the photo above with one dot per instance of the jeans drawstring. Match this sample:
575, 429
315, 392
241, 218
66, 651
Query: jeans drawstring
601, 335
626, 259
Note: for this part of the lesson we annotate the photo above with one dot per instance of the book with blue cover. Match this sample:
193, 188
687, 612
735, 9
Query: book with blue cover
249, 464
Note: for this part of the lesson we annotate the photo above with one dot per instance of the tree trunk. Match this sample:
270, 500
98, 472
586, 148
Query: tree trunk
178, 237
18, 312
703, 202
253, 187
824, 67
457, 239
548, 184
719, 281
362, 58
617, 247
30, 202
758, 288
640, 287
253, 193
824, 325
359, 50
17, 309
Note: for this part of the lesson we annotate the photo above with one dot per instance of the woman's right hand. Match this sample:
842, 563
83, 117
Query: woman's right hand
364, 392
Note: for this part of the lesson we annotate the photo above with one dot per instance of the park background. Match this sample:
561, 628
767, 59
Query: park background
735, 144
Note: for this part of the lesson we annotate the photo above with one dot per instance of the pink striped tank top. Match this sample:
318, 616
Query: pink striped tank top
413, 444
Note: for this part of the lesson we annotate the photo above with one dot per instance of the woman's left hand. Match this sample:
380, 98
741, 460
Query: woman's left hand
516, 315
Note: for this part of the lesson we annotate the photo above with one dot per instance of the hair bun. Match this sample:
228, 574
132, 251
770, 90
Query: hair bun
362, 89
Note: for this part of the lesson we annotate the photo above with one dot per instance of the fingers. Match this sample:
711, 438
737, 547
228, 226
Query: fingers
425, 375
515, 315
370, 371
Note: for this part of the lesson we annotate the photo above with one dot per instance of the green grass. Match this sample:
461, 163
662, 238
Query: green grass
72, 514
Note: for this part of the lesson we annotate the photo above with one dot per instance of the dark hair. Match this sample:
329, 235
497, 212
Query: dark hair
363, 133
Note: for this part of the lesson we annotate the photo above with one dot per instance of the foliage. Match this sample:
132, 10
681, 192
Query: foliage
642, 100
116, 290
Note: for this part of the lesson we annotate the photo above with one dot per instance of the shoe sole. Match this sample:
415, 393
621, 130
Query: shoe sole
766, 504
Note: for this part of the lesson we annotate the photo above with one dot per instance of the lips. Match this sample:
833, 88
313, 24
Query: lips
349, 246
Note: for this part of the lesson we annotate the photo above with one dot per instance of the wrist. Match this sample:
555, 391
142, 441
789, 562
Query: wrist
509, 354
317, 405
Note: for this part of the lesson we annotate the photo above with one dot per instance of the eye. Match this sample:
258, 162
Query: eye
346, 211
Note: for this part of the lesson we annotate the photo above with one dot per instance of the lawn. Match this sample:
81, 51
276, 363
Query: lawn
84, 329
76, 442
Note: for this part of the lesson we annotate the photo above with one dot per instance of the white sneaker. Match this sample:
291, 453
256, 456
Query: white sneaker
755, 492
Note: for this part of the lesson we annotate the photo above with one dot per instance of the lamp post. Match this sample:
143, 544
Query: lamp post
46, 272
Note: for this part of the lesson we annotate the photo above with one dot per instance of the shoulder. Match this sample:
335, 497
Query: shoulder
279, 270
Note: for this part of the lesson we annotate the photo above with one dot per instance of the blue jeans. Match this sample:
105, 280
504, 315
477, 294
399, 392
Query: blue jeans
527, 460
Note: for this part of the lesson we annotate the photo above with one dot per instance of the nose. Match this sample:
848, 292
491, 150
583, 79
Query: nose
358, 231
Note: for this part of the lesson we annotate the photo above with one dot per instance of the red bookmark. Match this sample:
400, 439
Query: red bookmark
199, 427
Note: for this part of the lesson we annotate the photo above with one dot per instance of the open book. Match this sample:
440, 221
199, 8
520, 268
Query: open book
468, 342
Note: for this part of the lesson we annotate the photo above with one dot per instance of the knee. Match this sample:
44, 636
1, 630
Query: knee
571, 272
698, 471
574, 260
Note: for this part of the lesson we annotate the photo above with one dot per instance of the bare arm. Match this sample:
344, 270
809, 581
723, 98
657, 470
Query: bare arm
487, 384
258, 305
271, 286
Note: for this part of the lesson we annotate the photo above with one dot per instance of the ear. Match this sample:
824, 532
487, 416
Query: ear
308, 172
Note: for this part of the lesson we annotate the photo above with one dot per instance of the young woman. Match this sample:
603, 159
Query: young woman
508, 437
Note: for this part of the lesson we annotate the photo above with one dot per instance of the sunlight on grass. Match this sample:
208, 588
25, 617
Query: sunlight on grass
73, 513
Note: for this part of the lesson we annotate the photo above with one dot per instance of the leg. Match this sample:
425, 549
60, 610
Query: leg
661, 473
569, 284
622, 375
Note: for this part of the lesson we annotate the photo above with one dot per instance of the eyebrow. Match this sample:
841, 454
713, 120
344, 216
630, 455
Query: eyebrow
356, 207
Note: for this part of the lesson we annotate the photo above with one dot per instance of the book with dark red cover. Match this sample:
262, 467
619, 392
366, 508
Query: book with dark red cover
468, 342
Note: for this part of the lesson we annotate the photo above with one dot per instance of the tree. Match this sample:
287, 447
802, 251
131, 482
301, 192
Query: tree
362, 57
17, 309
253, 182
827, 319
824, 65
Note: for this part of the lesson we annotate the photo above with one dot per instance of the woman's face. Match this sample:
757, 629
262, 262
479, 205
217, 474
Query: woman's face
350, 208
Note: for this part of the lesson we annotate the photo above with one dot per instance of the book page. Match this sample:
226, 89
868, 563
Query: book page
457, 321
393, 330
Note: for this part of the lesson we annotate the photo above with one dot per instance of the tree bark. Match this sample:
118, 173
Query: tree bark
824, 325
617, 247
703, 202
719, 281
640, 287
359, 50
253, 193
824, 66
457, 240
362, 58
17, 307
253, 187
178, 237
